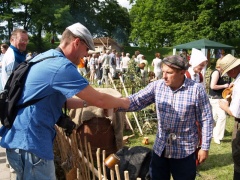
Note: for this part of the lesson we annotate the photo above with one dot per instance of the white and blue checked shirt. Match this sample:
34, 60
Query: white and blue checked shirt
177, 112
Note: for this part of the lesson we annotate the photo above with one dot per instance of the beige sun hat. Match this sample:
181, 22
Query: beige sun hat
228, 62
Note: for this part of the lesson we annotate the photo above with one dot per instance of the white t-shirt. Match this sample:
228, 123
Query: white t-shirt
156, 64
235, 103
138, 59
146, 65
7, 65
125, 61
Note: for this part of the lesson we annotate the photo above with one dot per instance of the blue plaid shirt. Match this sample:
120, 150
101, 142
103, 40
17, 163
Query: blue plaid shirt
177, 112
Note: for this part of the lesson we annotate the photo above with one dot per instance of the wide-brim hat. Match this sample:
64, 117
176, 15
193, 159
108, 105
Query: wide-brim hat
228, 62
82, 32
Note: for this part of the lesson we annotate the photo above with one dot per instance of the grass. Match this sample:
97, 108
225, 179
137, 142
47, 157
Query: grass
149, 54
218, 166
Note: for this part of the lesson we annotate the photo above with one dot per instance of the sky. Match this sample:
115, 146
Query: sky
124, 3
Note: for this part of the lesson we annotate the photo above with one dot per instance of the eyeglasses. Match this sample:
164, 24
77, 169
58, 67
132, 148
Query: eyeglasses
23, 41
85, 44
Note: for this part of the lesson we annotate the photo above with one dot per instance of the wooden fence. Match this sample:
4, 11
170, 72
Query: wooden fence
77, 161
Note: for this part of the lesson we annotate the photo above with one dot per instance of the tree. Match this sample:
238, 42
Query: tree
34, 17
84, 12
219, 20
114, 21
53, 16
6, 14
168, 22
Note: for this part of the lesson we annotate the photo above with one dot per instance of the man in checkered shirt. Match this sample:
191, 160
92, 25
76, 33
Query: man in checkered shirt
180, 102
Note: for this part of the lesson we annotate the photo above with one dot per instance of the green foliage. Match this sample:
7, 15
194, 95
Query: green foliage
150, 23
157, 23
53, 16
115, 22
149, 53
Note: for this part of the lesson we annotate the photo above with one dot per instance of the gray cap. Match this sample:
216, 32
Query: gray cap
81, 31
176, 61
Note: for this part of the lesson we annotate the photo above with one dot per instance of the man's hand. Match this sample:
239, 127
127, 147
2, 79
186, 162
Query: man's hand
223, 104
202, 155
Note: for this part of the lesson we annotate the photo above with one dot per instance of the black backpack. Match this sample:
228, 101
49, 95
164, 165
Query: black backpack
9, 97
136, 160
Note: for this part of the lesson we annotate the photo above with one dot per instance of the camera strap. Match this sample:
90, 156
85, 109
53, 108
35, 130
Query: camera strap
65, 108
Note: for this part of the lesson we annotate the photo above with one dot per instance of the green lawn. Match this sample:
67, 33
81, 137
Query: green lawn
149, 54
218, 166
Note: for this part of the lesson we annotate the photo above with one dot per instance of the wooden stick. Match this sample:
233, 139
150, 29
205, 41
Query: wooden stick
95, 171
135, 117
112, 174
110, 77
74, 146
117, 172
64, 148
126, 175
90, 165
83, 165
129, 123
87, 156
98, 163
103, 165
91, 158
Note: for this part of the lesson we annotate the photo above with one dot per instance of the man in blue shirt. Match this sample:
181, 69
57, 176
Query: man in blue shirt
29, 142
180, 102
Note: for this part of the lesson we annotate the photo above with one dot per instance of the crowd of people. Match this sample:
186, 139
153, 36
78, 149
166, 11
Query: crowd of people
97, 65
186, 114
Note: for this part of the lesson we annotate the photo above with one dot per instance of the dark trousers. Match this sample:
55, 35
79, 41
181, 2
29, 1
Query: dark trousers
236, 149
162, 168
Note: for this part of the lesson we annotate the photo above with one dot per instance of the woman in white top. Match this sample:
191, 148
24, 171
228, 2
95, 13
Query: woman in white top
156, 64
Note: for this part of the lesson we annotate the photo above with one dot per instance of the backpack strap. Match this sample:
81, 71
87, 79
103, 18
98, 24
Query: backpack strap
28, 103
34, 62
33, 101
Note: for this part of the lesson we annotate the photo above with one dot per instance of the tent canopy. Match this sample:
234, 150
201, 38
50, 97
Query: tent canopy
203, 44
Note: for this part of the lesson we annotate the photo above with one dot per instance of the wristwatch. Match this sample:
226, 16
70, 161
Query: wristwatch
84, 104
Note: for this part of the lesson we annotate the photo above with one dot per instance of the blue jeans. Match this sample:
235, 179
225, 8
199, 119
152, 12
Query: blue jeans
30, 167
162, 168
